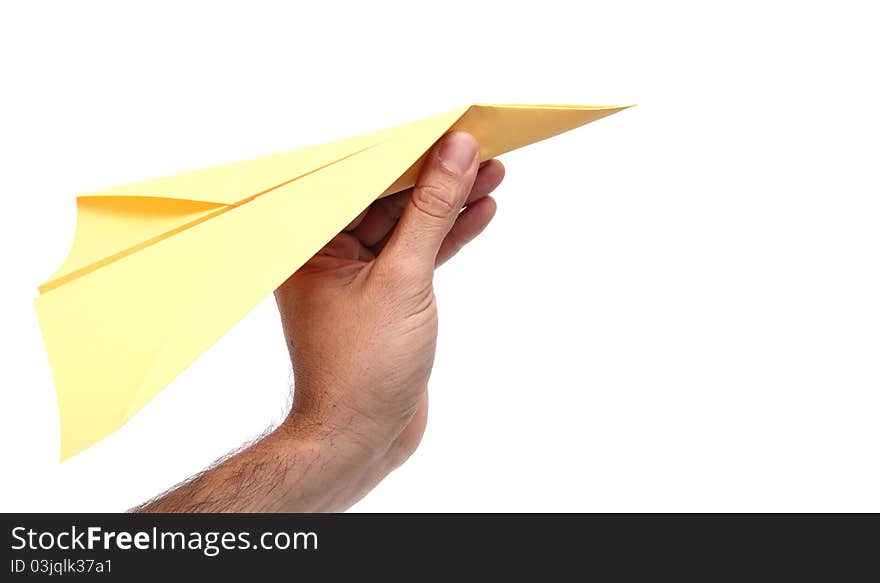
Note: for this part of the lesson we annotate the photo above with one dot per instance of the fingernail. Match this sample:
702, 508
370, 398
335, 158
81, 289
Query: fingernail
458, 151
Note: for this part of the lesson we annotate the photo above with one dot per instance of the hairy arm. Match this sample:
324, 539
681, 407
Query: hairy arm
287, 470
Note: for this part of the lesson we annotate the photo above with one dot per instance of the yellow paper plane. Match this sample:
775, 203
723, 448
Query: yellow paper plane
161, 269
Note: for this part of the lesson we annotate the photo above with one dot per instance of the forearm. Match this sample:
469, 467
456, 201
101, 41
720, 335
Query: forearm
287, 471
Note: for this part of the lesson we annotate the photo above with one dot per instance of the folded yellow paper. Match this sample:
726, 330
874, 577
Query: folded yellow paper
160, 269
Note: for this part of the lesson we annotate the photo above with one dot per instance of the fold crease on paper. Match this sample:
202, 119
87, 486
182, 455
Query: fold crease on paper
159, 270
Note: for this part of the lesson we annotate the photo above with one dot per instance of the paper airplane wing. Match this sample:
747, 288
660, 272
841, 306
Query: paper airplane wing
161, 269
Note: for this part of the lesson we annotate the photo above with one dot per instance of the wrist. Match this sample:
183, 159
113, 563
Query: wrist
326, 470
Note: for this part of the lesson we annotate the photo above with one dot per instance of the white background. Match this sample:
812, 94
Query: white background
677, 308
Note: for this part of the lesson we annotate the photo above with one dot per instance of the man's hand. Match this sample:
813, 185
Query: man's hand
360, 319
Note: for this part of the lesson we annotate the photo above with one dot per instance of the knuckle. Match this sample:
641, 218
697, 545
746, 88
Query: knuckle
435, 199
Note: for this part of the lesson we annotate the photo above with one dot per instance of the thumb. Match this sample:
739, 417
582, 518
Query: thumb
441, 190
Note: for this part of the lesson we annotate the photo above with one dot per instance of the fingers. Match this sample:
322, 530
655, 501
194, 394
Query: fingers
440, 192
373, 226
346, 246
488, 178
357, 221
470, 223
478, 212
381, 218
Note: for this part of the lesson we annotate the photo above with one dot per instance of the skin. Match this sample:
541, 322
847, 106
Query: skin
360, 320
